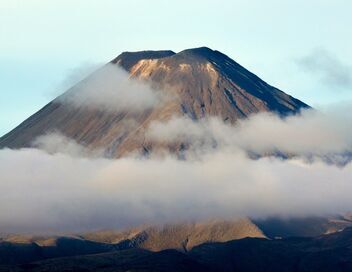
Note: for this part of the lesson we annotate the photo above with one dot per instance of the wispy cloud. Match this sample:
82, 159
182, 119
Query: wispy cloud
328, 67
111, 88
57, 143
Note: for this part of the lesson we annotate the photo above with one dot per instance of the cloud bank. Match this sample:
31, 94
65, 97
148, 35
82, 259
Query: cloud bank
69, 190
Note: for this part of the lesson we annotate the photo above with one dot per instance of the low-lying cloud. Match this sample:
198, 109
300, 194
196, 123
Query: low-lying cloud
68, 190
331, 70
111, 88
312, 133
57, 143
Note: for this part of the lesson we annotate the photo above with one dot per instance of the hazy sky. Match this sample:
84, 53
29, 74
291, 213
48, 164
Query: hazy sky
303, 47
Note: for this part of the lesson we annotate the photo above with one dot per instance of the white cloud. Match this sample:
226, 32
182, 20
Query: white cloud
312, 133
111, 88
43, 192
56, 142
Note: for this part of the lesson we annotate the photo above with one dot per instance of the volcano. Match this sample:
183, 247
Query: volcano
202, 83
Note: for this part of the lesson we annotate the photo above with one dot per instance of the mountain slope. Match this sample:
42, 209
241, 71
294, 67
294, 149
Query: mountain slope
182, 237
323, 253
201, 82
179, 236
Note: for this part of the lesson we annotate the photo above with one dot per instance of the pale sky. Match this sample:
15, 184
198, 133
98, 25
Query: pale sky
302, 47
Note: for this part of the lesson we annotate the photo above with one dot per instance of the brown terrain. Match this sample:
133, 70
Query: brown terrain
181, 237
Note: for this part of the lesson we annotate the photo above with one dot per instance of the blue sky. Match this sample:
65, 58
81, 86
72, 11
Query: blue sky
301, 47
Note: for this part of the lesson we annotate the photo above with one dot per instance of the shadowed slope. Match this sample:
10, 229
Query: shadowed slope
324, 254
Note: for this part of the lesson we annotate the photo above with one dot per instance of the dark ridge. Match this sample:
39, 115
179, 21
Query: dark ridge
324, 253
128, 59
203, 52
206, 54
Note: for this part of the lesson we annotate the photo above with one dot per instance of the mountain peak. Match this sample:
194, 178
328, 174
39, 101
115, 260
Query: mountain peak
128, 59
193, 55
203, 83
203, 51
